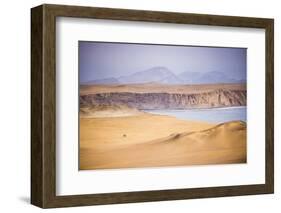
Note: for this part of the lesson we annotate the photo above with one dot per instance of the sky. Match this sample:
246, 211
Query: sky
99, 60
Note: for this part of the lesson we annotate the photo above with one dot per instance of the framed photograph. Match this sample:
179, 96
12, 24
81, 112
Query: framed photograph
136, 106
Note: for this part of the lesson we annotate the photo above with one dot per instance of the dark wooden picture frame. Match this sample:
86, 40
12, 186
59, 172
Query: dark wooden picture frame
43, 105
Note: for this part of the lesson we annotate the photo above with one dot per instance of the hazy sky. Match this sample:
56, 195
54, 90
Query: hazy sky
98, 60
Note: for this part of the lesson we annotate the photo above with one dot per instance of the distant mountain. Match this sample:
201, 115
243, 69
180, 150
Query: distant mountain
163, 75
208, 78
214, 77
102, 81
155, 74
189, 77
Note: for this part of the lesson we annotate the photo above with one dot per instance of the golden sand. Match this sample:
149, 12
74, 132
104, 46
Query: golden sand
146, 140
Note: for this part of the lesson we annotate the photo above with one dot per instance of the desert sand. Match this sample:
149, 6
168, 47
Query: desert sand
104, 111
158, 88
124, 139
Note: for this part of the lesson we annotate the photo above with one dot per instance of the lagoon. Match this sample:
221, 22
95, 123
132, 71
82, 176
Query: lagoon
213, 115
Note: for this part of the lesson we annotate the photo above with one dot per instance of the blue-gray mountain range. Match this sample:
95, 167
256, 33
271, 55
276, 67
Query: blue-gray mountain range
164, 76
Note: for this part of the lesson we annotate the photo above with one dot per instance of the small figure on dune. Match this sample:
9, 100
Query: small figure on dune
124, 135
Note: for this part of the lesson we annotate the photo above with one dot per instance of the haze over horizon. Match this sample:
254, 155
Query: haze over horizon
102, 62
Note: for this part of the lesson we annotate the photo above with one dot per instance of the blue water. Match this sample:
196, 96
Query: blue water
214, 115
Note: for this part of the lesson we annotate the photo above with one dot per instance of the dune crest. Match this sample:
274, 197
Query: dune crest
186, 144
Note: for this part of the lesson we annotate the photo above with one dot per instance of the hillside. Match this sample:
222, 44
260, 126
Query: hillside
157, 96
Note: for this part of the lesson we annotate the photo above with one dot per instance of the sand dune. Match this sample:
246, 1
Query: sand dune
145, 140
103, 111
158, 88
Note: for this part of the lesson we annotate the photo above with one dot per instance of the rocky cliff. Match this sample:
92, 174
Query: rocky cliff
216, 98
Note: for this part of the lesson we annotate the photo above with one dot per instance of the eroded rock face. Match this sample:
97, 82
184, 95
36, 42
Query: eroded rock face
216, 98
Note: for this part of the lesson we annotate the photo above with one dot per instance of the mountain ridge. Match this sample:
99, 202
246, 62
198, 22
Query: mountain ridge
163, 75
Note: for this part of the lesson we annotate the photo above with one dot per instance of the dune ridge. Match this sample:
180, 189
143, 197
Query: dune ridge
187, 144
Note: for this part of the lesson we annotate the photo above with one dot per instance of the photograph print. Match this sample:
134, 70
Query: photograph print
158, 105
